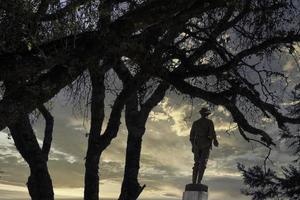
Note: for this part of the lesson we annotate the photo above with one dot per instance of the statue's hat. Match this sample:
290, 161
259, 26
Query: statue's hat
204, 111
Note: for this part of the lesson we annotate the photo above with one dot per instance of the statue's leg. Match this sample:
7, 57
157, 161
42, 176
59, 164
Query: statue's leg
204, 154
196, 166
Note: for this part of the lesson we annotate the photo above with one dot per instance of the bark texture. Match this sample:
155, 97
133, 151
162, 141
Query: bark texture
91, 187
91, 180
131, 188
136, 121
39, 182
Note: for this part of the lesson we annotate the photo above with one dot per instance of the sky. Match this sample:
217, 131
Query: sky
166, 160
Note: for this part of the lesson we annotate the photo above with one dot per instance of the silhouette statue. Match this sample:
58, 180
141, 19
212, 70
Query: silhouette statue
202, 136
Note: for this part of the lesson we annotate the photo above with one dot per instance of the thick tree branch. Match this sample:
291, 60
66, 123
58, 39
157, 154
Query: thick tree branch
220, 98
154, 99
207, 69
264, 106
38, 60
242, 122
48, 131
97, 102
114, 119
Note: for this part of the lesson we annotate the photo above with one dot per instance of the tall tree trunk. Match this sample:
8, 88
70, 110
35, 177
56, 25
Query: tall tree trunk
131, 188
39, 183
136, 121
91, 180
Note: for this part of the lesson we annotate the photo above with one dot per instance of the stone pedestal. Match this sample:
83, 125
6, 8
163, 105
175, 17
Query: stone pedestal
195, 192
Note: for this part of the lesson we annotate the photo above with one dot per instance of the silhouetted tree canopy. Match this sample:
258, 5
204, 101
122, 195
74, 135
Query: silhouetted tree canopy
220, 41
224, 52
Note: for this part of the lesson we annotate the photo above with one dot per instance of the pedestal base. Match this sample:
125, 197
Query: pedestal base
195, 192
195, 195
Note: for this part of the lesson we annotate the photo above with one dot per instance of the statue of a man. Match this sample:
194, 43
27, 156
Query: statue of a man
202, 136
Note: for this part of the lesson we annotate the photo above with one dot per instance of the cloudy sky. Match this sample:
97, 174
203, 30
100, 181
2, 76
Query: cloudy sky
167, 160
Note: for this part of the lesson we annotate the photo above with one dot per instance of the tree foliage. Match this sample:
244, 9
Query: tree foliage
266, 183
224, 52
